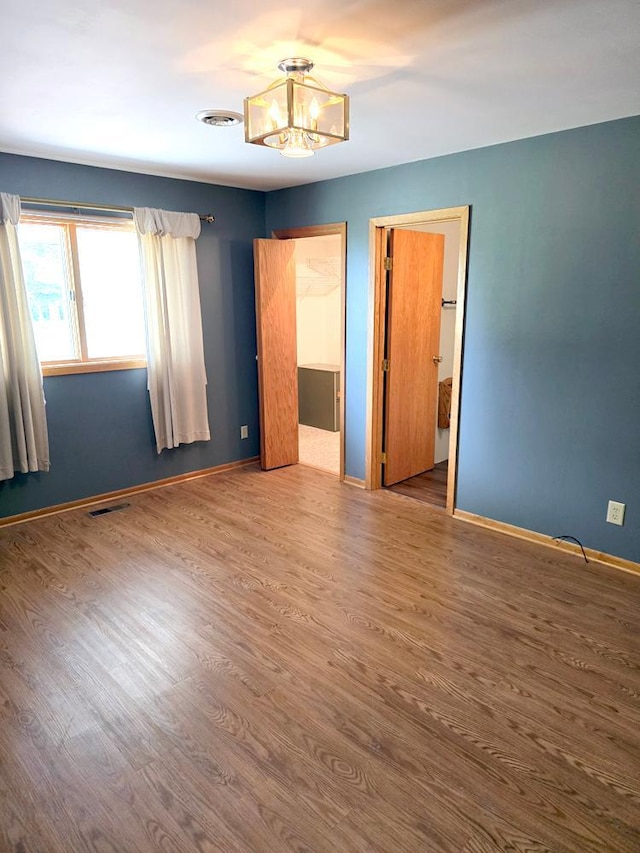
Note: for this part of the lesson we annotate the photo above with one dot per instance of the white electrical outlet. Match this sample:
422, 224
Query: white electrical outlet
244, 431
615, 512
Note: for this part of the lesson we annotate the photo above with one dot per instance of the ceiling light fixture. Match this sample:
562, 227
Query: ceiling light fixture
296, 115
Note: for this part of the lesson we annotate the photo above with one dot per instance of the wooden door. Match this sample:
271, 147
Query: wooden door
414, 306
275, 280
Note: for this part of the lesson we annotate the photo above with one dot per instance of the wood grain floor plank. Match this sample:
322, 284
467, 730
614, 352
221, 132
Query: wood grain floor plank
263, 662
430, 486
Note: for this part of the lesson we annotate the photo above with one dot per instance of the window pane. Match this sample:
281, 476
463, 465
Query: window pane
111, 292
43, 251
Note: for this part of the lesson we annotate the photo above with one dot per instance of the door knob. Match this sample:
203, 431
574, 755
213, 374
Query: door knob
437, 359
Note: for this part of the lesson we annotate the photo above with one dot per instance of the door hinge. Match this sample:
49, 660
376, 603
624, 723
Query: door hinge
385, 365
388, 263
383, 458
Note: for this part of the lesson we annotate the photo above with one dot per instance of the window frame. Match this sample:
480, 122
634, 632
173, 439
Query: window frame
70, 222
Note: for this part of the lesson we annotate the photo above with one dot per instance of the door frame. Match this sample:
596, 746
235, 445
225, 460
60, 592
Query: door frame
339, 228
376, 330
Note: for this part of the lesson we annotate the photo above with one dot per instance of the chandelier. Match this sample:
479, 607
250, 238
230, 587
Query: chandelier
297, 114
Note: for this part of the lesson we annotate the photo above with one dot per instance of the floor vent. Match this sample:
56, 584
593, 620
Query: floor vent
106, 509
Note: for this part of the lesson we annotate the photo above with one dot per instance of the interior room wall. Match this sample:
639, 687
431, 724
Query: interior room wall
319, 327
550, 396
318, 299
451, 231
100, 430
550, 393
333, 303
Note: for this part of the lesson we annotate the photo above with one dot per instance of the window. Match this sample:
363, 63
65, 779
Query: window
84, 286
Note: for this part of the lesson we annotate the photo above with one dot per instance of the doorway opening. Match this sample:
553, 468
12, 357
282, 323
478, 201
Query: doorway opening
416, 323
317, 406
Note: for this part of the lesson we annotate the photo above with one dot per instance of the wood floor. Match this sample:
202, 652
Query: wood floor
430, 487
259, 662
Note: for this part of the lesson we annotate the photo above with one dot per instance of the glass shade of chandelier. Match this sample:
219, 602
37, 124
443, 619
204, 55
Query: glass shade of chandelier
297, 114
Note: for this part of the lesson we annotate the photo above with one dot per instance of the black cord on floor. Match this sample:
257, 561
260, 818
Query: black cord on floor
577, 541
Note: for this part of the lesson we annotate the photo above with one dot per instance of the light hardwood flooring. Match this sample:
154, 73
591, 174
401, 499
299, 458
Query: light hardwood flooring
430, 486
263, 662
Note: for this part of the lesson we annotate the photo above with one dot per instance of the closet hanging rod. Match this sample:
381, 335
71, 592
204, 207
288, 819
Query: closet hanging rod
205, 217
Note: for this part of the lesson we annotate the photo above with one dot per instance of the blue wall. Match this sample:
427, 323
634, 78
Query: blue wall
550, 418
100, 430
550, 415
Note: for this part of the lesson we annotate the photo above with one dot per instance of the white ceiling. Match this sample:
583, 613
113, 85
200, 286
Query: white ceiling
118, 82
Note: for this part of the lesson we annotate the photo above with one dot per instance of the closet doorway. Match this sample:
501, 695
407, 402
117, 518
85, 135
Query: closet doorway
300, 310
416, 325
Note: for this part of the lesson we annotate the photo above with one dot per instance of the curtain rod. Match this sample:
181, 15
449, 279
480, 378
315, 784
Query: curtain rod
205, 217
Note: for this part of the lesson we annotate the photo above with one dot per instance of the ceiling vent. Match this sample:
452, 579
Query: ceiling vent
219, 118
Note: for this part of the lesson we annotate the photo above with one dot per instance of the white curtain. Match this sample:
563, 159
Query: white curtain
175, 355
24, 445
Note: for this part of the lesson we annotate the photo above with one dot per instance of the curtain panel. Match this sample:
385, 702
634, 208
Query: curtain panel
176, 376
24, 444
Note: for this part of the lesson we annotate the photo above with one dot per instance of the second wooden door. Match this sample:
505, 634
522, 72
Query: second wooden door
414, 306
